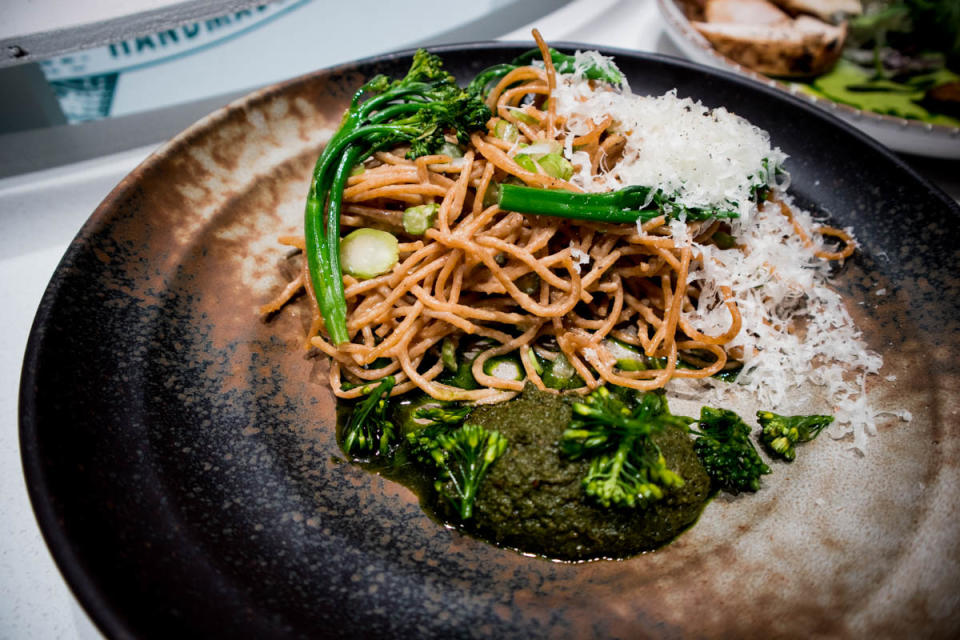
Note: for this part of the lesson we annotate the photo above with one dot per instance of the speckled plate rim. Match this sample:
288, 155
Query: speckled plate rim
900, 134
68, 559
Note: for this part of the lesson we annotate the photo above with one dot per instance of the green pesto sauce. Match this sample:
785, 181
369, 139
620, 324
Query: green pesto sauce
532, 500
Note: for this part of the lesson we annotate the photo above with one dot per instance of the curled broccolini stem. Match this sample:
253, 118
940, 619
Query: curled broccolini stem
781, 433
416, 110
726, 452
368, 430
627, 468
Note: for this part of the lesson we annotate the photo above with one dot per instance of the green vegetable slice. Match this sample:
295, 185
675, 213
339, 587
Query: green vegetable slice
560, 374
507, 367
629, 358
367, 253
506, 130
416, 220
448, 353
526, 161
450, 149
555, 165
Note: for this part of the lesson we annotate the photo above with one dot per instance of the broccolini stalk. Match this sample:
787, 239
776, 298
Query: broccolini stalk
726, 452
416, 110
368, 430
625, 205
626, 468
462, 456
781, 433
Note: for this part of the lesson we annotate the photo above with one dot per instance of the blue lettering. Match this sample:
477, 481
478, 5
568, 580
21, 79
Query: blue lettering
215, 23
170, 35
145, 42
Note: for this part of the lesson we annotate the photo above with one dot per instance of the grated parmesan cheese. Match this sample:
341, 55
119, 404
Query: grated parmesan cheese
660, 133
778, 283
714, 158
580, 258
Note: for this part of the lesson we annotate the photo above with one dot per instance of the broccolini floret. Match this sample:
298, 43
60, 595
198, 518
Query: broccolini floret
781, 433
626, 467
462, 457
726, 452
369, 431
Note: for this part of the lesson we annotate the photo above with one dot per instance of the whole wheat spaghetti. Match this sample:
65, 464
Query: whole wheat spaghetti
537, 287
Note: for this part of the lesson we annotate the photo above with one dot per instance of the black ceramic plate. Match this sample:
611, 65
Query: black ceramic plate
181, 459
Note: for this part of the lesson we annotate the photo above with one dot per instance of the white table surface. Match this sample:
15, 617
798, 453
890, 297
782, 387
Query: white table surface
39, 215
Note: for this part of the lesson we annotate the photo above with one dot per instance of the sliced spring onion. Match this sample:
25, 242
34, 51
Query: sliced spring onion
526, 161
367, 253
629, 358
523, 116
535, 360
448, 354
542, 148
452, 150
548, 155
416, 220
506, 130
557, 166
560, 374
506, 367
463, 355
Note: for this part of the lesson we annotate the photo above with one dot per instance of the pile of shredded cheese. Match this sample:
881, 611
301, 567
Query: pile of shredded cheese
801, 349
707, 158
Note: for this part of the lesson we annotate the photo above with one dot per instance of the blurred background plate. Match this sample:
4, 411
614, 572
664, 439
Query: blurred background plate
900, 134
181, 458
